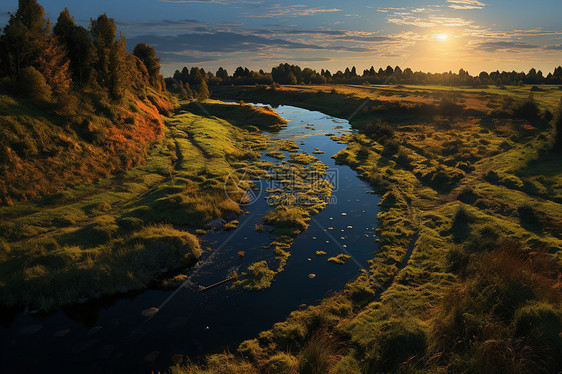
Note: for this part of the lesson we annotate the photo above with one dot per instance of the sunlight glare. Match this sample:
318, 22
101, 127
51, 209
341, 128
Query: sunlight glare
442, 37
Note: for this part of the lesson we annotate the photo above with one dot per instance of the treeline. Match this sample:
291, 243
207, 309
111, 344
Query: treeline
76, 106
52, 66
293, 74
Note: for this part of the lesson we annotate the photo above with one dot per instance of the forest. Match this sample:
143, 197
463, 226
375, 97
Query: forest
293, 74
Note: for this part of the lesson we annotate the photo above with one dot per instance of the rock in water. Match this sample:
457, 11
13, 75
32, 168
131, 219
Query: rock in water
149, 312
217, 224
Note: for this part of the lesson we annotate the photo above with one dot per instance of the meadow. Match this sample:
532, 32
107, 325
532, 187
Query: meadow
467, 277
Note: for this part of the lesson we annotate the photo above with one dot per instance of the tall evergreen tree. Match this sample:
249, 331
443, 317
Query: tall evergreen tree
110, 64
24, 36
152, 63
77, 41
203, 91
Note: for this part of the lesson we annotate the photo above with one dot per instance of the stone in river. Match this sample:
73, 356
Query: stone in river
150, 311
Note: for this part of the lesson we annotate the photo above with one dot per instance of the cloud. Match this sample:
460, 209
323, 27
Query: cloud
466, 4
278, 10
431, 21
556, 47
218, 42
175, 58
222, 2
505, 46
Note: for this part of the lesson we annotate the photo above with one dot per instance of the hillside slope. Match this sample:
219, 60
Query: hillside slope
42, 152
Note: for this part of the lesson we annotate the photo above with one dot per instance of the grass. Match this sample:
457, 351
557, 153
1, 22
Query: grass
456, 296
119, 233
339, 259
257, 277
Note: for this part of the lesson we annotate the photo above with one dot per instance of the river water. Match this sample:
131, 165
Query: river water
112, 336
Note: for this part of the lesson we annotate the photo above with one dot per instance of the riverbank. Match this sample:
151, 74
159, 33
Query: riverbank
122, 233
469, 238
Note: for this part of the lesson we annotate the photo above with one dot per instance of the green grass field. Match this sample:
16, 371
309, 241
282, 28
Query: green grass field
467, 277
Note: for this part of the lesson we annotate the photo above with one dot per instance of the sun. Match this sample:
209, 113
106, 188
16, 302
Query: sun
442, 37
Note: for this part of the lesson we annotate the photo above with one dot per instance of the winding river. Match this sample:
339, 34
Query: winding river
112, 335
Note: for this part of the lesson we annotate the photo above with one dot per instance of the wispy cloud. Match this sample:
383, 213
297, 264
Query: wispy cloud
465, 4
505, 46
557, 47
278, 10
430, 21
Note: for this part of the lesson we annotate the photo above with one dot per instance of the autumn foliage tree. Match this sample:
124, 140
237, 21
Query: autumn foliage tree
59, 65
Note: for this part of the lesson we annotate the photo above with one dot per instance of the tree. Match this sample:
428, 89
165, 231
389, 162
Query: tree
24, 36
222, 74
54, 66
203, 91
152, 63
34, 85
77, 41
110, 62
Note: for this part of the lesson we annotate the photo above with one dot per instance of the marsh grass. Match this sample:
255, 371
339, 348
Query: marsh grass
459, 298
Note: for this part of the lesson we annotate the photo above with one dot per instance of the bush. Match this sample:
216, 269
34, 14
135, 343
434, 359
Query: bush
449, 108
398, 342
528, 217
460, 229
33, 84
282, 363
378, 130
526, 109
391, 147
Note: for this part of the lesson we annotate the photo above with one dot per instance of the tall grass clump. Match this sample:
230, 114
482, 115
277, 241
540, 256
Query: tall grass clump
503, 316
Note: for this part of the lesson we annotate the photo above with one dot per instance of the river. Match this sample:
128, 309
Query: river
111, 335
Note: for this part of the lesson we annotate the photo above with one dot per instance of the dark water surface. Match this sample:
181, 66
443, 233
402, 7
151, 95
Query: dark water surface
111, 336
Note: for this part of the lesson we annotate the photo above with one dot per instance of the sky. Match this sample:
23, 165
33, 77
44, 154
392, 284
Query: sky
426, 35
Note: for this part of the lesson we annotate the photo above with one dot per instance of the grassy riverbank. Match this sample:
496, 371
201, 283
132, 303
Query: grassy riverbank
467, 278
123, 232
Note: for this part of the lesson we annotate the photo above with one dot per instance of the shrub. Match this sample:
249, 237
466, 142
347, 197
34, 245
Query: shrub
449, 108
460, 229
391, 147
379, 130
33, 84
528, 217
526, 109
282, 363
